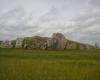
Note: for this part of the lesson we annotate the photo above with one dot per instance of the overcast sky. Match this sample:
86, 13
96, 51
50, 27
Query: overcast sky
78, 20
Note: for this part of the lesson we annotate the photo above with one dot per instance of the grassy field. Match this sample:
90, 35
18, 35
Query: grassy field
20, 64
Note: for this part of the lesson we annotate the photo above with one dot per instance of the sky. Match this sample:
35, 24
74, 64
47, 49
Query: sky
78, 20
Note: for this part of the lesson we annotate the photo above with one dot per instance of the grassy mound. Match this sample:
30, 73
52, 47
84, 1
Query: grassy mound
21, 64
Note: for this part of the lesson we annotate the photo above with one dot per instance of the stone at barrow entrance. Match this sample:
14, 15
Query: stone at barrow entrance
58, 41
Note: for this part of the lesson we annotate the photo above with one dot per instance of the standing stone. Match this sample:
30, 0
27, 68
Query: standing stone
44, 43
58, 41
35, 42
28, 43
19, 43
6, 44
40, 42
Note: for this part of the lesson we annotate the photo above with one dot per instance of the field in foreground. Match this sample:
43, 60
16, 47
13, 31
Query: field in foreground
20, 64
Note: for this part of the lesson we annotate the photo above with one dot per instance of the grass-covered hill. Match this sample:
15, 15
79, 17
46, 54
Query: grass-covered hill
56, 42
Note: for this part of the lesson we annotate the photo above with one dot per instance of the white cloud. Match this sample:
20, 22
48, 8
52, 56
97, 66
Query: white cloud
76, 19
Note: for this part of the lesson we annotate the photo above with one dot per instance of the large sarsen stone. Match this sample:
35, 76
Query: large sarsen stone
57, 41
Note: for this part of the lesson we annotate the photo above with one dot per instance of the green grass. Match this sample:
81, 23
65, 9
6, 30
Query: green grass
21, 64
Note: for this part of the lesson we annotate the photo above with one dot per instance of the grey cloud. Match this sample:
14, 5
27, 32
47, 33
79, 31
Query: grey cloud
95, 2
88, 26
74, 18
